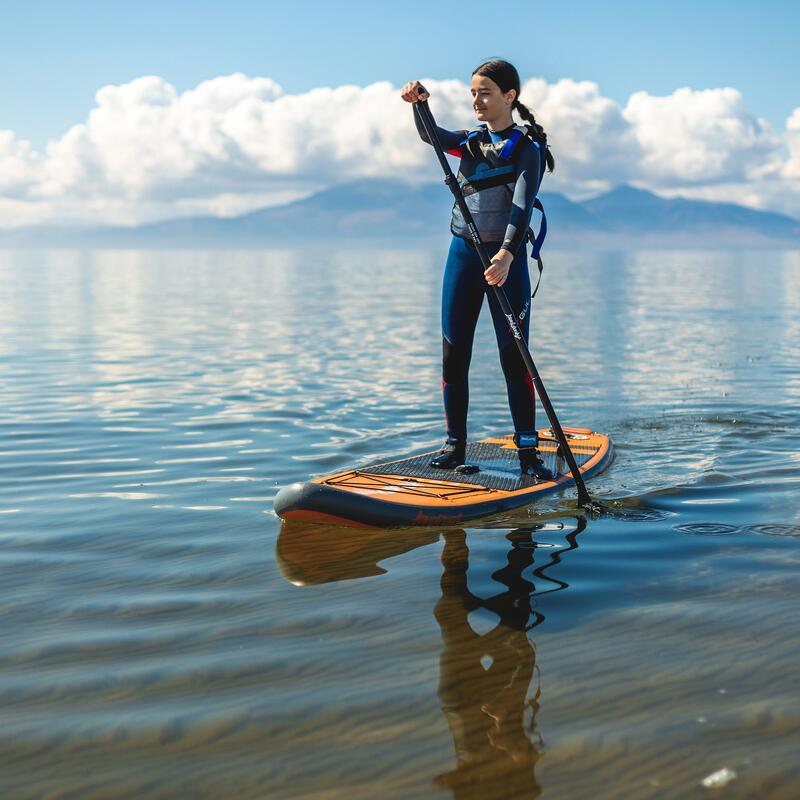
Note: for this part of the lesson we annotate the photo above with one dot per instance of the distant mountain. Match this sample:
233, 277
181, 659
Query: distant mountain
379, 210
629, 210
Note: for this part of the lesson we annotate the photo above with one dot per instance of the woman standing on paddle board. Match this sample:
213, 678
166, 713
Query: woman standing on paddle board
501, 167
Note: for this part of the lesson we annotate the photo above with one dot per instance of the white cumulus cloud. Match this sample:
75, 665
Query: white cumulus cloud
594, 145
697, 137
147, 151
18, 165
792, 166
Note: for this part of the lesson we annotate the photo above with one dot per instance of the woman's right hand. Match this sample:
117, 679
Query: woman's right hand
413, 92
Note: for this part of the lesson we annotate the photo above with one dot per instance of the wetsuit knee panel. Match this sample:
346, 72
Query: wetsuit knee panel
513, 366
455, 362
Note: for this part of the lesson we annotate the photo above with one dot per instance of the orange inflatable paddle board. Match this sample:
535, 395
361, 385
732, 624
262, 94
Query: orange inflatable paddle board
406, 490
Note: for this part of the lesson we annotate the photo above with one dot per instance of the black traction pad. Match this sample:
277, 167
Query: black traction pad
499, 465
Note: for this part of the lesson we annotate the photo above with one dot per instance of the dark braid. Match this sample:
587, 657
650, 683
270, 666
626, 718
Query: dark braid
537, 131
505, 75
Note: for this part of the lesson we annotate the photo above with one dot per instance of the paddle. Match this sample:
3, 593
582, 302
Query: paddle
500, 294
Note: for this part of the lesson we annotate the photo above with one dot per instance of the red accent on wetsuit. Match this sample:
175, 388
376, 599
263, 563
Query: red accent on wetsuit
532, 390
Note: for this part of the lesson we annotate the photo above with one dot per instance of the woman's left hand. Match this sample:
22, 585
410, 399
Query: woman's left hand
498, 270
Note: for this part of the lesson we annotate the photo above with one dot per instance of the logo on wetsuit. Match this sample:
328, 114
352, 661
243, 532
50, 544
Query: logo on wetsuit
512, 323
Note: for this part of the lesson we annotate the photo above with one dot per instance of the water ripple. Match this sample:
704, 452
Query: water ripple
161, 636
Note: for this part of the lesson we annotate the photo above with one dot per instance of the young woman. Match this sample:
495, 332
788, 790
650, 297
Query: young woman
500, 172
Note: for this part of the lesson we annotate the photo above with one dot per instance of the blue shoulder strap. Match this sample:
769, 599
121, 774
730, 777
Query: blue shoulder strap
471, 135
511, 143
537, 242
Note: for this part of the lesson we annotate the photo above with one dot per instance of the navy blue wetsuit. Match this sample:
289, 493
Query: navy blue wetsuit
502, 220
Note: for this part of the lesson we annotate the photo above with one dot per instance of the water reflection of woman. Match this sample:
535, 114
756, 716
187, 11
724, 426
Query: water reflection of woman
485, 680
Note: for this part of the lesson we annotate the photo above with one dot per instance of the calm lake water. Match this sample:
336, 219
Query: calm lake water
162, 635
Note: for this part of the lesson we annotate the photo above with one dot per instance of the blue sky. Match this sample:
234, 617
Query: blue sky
133, 111
55, 55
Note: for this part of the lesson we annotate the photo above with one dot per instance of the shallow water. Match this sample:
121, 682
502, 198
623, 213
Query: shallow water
162, 635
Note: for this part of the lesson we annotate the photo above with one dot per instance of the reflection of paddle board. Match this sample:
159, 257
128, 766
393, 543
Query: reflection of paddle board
311, 554
408, 491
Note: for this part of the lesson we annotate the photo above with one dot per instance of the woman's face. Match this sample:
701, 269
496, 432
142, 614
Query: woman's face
488, 100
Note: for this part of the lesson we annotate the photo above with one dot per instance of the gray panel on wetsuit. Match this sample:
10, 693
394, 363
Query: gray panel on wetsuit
490, 209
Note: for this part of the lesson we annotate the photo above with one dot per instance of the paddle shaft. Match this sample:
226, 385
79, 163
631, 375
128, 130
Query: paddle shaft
500, 294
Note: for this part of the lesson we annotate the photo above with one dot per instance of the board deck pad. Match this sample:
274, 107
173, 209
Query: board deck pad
408, 491
496, 459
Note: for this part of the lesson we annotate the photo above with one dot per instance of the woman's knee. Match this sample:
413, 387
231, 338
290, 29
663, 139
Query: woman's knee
455, 361
514, 367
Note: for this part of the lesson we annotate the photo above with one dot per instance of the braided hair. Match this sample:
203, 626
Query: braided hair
505, 75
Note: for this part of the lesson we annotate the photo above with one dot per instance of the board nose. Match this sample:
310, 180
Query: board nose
288, 499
